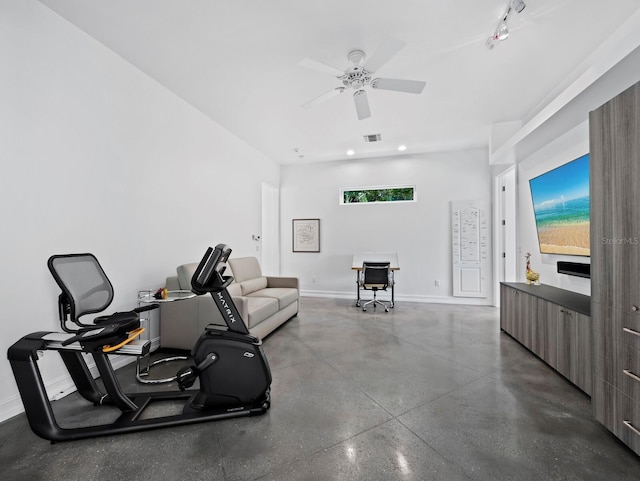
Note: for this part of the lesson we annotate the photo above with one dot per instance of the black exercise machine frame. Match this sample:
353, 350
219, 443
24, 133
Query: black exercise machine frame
23, 357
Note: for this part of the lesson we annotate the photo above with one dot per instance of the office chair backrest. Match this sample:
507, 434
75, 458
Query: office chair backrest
85, 286
376, 273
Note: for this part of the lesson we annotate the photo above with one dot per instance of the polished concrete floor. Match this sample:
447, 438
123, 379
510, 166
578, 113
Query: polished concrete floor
424, 392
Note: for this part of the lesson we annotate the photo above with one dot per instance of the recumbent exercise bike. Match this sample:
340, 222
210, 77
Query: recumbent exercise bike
230, 365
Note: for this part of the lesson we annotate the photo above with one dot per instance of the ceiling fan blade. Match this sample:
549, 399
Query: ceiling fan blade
399, 85
320, 67
324, 97
362, 104
383, 54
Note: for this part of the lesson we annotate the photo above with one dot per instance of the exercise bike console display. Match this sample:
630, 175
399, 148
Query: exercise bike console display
208, 276
230, 365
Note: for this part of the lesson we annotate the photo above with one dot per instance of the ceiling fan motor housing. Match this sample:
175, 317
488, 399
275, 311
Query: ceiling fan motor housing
356, 79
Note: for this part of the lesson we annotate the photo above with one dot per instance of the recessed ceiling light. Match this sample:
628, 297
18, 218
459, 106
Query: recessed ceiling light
350, 152
402, 148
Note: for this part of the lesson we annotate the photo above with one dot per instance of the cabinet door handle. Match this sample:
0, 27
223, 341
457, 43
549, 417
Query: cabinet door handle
631, 331
631, 426
631, 374
635, 308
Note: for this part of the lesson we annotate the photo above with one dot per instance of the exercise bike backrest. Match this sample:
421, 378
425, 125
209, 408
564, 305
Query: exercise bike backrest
86, 289
84, 285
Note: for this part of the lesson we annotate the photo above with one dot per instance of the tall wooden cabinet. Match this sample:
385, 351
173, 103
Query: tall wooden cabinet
615, 264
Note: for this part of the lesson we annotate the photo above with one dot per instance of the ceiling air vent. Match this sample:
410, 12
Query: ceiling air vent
372, 138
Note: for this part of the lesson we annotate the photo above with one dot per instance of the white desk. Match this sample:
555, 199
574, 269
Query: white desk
360, 257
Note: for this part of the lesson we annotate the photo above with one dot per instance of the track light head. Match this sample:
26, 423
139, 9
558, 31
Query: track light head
502, 30
518, 5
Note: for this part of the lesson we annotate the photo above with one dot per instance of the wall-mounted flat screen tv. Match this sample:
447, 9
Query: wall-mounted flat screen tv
561, 208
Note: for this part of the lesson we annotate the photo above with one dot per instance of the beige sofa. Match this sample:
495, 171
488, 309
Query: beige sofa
264, 303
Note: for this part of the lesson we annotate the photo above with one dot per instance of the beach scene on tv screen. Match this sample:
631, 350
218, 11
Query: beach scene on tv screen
561, 206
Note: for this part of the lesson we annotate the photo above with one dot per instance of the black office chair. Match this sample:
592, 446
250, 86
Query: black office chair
86, 289
375, 277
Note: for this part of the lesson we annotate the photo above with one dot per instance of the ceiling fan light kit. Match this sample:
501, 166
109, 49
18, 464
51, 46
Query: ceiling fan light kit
359, 76
502, 30
362, 104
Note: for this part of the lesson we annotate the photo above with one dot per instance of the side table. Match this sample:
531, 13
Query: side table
147, 297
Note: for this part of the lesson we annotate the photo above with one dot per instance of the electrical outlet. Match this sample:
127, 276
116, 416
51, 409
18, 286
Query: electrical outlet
437, 283
313, 279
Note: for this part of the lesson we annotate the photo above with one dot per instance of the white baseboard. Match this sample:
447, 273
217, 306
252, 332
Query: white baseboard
469, 301
10, 407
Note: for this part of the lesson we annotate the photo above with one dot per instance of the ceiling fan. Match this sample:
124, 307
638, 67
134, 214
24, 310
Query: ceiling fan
360, 75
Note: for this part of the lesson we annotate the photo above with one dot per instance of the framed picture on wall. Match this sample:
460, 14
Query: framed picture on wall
306, 235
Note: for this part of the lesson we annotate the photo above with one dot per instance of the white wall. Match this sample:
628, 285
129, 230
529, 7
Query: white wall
562, 138
419, 232
97, 157
565, 148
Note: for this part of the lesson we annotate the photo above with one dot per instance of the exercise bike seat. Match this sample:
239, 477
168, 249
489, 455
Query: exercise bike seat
98, 337
129, 318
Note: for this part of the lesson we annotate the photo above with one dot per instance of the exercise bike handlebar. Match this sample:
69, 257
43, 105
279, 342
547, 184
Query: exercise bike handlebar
208, 277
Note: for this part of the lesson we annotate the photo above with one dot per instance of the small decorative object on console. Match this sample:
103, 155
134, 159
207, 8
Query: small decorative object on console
161, 293
531, 275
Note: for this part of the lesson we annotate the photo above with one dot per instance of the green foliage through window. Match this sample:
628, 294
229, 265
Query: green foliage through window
367, 196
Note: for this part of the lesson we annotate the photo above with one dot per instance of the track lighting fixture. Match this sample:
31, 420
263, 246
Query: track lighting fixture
518, 5
502, 30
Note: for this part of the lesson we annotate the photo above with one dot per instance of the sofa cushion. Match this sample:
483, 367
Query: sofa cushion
185, 273
285, 295
259, 309
253, 285
245, 268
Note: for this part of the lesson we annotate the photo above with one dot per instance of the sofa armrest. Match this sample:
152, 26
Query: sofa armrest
283, 282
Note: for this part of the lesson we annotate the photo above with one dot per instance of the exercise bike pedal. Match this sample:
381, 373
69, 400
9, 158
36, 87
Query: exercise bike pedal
186, 377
